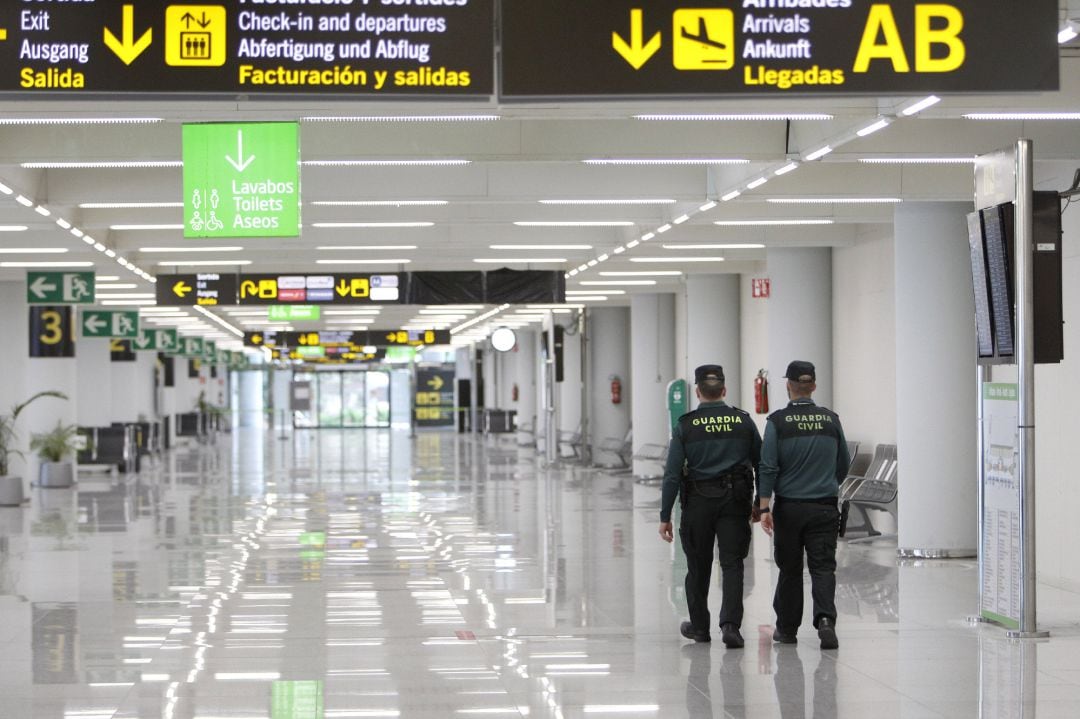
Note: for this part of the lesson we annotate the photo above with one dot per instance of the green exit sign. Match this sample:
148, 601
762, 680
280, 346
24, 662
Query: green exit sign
242, 179
293, 313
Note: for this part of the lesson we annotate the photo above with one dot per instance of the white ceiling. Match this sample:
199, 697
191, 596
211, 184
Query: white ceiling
528, 154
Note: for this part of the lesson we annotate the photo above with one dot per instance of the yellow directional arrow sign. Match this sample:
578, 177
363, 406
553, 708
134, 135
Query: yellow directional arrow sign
129, 48
181, 289
635, 53
256, 339
436, 383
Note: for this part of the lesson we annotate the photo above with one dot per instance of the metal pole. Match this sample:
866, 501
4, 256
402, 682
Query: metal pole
982, 375
412, 395
1025, 362
586, 366
551, 445
474, 389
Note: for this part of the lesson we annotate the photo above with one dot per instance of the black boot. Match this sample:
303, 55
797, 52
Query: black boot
732, 638
688, 631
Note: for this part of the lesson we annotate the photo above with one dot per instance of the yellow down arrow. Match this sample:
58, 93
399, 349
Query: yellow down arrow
181, 289
635, 53
130, 48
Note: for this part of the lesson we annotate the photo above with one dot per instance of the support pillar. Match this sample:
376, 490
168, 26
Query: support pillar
935, 381
609, 338
94, 371
800, 317
712, 329
652, 335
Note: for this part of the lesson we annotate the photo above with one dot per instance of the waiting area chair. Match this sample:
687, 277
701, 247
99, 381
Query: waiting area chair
876, 489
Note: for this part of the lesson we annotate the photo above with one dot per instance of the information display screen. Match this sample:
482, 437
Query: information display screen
999, 276
983, 324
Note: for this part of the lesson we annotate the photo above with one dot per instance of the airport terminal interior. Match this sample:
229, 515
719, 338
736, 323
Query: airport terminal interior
320, 405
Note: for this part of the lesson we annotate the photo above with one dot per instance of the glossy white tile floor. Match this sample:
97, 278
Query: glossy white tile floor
365, 574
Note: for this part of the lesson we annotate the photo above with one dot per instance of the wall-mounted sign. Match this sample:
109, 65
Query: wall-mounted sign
242, 179
121, 324
191, 347
770, 47
434, 400
239, 47
52, 331
208, 289
59, 288
760, 288
329, 289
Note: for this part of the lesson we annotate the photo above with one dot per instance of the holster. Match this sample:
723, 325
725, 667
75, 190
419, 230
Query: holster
845, 507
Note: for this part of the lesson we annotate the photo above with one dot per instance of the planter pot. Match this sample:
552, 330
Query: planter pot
56, 475
11, 491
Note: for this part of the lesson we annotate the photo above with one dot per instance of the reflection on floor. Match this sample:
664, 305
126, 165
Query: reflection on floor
362, 573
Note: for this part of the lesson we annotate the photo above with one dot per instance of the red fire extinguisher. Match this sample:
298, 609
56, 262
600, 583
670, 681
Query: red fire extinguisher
616, 390
514, 393
761, 392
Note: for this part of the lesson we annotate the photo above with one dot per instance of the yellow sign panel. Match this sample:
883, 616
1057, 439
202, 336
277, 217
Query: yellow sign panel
195, 35
359, 287
267, 289
704, 39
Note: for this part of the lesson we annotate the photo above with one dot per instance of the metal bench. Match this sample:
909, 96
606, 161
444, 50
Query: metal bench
571, 440
652, 453
623, 449
877, 489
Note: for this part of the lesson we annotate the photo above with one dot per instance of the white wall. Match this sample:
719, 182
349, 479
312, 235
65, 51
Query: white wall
864, 337
754, 349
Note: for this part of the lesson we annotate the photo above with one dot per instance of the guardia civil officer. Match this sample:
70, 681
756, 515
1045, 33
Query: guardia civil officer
711, 461
803, 461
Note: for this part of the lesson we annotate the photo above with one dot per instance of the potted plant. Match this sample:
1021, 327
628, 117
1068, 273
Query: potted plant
11, 488
55, 448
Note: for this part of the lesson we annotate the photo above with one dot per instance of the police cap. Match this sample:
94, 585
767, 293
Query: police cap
709, 373
800, 371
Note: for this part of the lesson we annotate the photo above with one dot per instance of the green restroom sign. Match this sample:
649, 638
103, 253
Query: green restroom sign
242, 179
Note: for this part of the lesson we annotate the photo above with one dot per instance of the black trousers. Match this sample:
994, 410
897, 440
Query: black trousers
810, 528
724, 522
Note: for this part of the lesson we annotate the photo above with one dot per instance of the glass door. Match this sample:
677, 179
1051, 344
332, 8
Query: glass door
378, 399
329, 399
346, 399
354, 407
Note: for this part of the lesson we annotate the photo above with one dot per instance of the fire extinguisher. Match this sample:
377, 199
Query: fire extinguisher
761, 392
514, 393
616, 390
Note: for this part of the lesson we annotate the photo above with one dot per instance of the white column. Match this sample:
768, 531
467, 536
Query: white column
935, 380
652, 335
569, 390
521, 373
134, 383
281, 396
251, 399
800, 317
713, 329
609, 336
95, 370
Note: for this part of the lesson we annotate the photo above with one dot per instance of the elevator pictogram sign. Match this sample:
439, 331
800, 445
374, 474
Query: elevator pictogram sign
195, 35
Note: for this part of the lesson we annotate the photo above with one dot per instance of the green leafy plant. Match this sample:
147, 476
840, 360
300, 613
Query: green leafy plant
56, 444
8, 435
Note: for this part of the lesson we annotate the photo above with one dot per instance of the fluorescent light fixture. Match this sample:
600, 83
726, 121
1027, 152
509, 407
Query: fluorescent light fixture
641, 273
63, 224
754, 184
442, 311
786, 169
603, 258
128, 205
617, 283
124, 296
5, 189
680, 219
879, 124
76, 232
1022, 116
676, 259
379, 261
1066, 34
917, 107
99, 247
89, 240
731, 195
43, 211
628, 201
103, 165
634, 243
33, 250
202, 263
917, 160
403, 118
770, 223
520, 260
583, 294
540, 247
118, 286
80, 120
107, 278
379, 203
574, 223
191, 248
661, 230
46, 264
707, 206
618, 250
644, 238
736, 117
668, 161
24, 201
110, 253
123, 303
620, 708
593, 262
819, 153
128, 228
599, 298
363, 311
335, 248
384, 225
349, 320
834, 200
384, 163
571, 273
13, 228
734, 246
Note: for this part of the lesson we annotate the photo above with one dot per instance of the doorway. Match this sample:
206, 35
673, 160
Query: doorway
345, 399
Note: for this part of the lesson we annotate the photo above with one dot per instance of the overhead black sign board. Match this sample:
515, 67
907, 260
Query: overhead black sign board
279, 289
348, 339
435, 48
642, 48
209, 289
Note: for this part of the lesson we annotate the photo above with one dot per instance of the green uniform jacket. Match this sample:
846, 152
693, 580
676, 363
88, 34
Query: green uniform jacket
708, 442
805, 455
